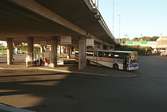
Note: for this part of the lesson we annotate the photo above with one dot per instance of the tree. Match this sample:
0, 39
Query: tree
154, 38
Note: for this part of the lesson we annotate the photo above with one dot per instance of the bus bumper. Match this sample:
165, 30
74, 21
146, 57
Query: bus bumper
133, 67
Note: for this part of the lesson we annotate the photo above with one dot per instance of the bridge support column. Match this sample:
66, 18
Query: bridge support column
101, 46
30, 54
69, 52
82, 53
60, 50
108, 47
10, 49
53, 56
42, 51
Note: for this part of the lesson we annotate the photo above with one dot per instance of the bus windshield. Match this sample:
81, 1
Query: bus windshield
133, 58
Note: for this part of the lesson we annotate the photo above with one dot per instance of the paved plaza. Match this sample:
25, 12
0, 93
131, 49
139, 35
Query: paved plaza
49, 90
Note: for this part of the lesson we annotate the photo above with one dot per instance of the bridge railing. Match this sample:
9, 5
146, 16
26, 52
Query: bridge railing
93, 6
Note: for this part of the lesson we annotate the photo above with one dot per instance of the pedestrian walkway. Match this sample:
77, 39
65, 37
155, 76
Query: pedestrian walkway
7, 108
72, 69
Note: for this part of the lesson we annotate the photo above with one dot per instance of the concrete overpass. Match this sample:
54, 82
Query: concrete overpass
35, 21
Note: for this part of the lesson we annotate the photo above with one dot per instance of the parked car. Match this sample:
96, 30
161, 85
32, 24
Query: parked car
164, 53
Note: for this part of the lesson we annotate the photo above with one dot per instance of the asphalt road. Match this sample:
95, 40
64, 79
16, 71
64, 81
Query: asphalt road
147, 92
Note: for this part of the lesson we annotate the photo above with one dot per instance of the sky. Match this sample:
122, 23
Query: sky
135, 18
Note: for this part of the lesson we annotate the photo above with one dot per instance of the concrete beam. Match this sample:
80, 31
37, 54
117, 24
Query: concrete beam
22, 37
101, 42
28, 34
39, 9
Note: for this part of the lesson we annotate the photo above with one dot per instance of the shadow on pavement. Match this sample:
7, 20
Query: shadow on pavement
60, 92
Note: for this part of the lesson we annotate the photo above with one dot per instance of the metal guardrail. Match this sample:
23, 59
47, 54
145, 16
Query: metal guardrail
92, 6
94, 3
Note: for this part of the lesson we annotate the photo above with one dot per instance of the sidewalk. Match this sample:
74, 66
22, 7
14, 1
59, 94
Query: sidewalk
89, 70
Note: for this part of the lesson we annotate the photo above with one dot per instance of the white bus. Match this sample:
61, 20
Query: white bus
120, 60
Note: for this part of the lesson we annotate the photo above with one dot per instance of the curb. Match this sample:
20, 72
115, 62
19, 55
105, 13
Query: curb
88, 73
74, 72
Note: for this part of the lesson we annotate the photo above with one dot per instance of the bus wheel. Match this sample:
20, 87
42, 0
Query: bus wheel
115, 66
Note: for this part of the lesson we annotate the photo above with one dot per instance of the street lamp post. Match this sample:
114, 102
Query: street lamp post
119, 18
113, 16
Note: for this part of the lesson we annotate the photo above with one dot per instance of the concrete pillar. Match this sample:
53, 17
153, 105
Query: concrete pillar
42, 51
10, 49
112, 47
82, 53
69, 52
60, 50
108, 47
101, 46
30, 54
53, 55
105, 47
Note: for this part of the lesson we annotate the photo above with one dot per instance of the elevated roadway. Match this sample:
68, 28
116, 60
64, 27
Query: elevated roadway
33, 21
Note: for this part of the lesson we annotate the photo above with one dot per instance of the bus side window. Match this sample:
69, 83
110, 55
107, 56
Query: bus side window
100, 54
107, 54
